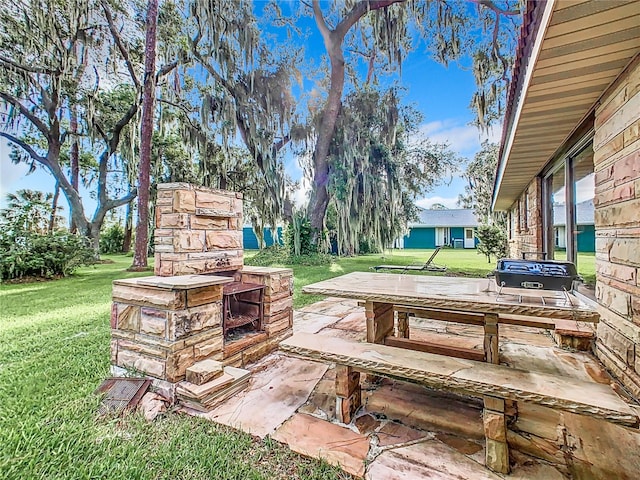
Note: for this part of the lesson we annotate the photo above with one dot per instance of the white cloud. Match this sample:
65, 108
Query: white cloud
449, 202
463, 138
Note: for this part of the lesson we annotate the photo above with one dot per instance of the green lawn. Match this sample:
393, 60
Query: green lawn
459, 262
586, 265
54, 351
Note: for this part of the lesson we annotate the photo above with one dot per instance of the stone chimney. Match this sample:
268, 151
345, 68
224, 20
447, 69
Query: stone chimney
198, 230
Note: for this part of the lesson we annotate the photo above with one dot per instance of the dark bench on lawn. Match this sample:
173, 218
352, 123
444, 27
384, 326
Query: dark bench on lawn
494, 383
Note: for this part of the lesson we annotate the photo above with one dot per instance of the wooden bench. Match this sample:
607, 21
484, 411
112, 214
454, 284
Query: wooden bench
494, 383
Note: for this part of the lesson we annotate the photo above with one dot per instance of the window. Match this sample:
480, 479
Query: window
568, 192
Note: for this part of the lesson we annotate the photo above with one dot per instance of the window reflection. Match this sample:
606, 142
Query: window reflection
576, 236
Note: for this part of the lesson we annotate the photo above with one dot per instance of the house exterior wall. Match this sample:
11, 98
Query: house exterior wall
250, 241
586, 238
525, 231
617, 224
425, 237
457, 233
421, 238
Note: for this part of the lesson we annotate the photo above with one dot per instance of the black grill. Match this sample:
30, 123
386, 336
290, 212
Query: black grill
535, 274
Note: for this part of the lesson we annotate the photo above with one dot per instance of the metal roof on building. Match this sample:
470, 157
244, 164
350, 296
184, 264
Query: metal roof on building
456, 217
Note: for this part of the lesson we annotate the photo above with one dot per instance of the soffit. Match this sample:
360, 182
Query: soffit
585, 47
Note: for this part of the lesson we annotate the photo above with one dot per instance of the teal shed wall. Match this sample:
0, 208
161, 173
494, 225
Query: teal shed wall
425, 237
457, 233
586, 238
421, 238
250, 241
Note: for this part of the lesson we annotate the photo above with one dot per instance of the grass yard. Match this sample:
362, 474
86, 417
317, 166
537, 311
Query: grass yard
54, 351
459, 263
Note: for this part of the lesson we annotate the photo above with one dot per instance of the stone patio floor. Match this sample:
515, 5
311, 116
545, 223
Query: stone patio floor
404, 431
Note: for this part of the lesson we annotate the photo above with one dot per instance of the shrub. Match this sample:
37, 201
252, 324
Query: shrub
112, 239
493, 241
43, 255
297, 236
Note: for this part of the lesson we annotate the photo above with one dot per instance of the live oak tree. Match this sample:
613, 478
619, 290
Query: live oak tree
53, 56
384, 28
379, 165
247, 91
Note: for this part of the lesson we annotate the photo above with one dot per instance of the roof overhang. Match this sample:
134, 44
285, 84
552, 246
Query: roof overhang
578, 48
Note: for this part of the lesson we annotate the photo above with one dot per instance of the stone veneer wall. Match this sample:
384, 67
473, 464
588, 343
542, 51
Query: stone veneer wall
160, 331
617, 221
525, 221
198, 230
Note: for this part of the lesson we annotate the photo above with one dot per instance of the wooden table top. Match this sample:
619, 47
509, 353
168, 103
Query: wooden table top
454, 293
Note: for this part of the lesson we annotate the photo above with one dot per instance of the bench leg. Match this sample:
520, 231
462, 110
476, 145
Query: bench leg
491, 344
403, 325
495, 432
348, 398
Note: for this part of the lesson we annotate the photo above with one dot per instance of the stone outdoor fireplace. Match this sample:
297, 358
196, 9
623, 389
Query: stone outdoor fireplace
203, 304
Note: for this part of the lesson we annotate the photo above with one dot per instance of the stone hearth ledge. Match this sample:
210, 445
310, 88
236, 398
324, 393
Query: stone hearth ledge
177, 282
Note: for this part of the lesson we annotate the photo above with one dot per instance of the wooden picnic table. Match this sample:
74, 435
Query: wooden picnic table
473, 301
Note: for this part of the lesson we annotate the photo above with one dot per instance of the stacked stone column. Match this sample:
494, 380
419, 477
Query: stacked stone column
198, 230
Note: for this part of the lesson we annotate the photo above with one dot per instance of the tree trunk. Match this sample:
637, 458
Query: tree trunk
142, 226
74, 159
333, 43
320, 195
54, 208
128, 228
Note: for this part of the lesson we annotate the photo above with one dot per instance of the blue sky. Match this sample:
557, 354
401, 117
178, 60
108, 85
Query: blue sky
441, 93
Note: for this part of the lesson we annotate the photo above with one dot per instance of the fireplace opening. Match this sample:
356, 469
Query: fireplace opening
242, 309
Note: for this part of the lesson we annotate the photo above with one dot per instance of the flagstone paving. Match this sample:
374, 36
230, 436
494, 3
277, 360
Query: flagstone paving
279, 386
404, 431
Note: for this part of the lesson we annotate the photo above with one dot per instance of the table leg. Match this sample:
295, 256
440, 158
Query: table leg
403, 325
491, 344
379, 321
370, 316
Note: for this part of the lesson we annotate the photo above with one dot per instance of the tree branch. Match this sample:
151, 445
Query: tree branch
111, 204
117, 129
322, 24
26, 147
358, 11
219, 78
27, 68
39, 124
492, 6
165, 69
123, 50
496, 48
